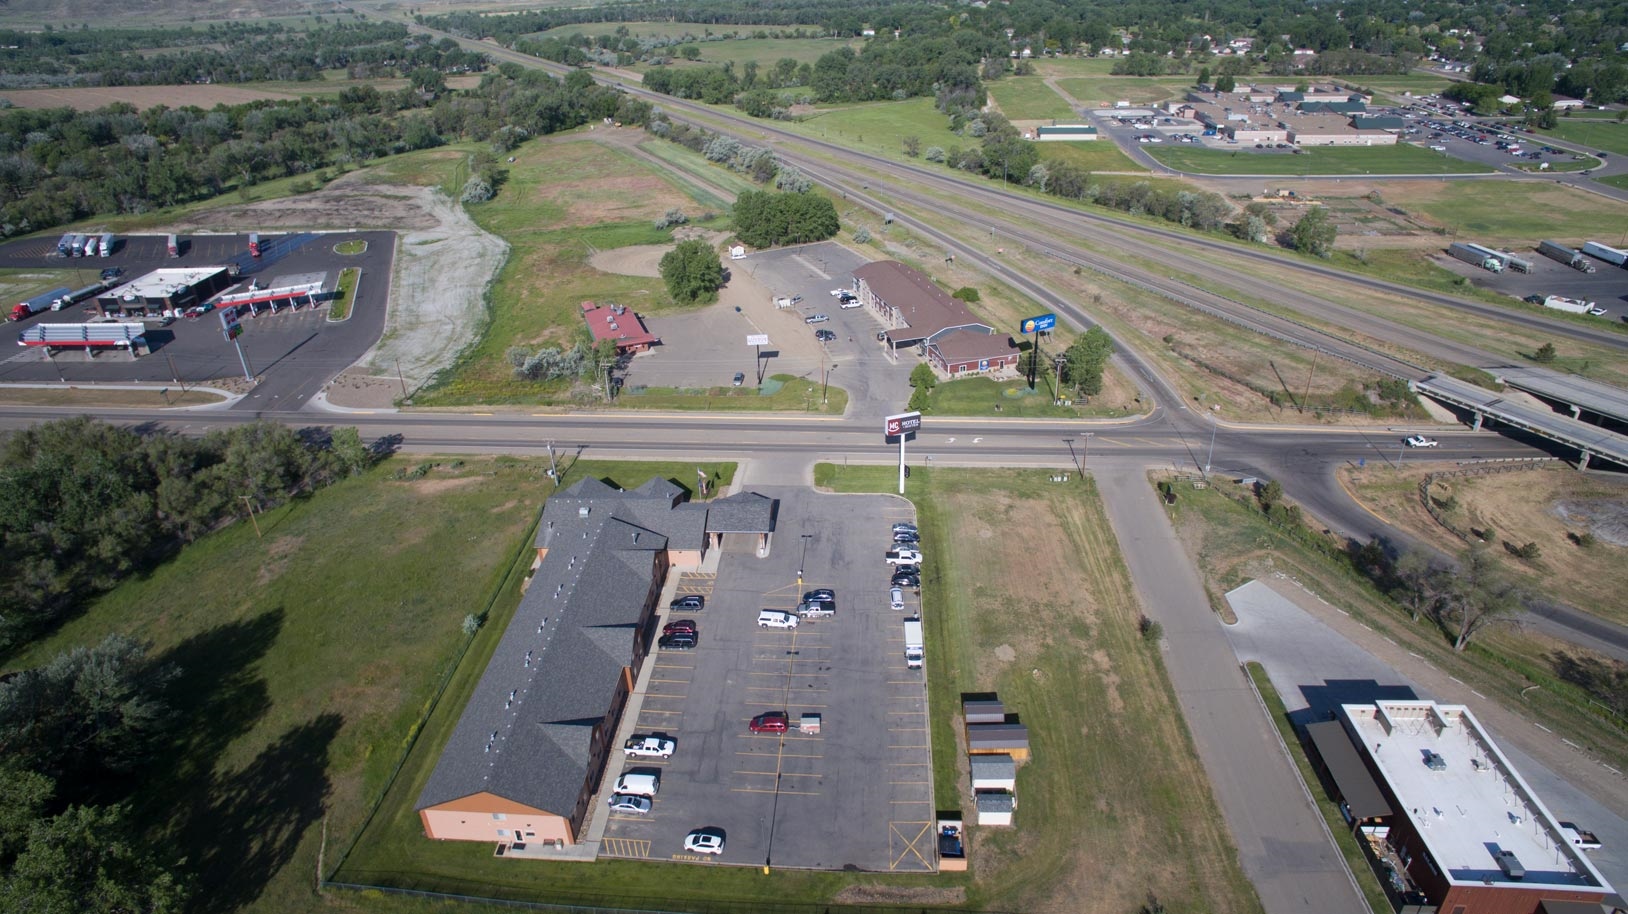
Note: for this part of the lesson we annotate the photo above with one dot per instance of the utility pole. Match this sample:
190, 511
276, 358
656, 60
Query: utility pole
249, 502
1213, 426
1304, 398
553, 468
801, 560
1057, 388
401, 380
1087, 452
609, 370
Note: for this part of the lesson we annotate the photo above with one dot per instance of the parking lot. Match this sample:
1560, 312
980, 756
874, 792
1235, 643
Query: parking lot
706, 348
857, 793
293, 351
1607, 286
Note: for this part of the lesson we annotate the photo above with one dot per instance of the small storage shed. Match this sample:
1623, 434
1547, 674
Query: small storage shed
995, 808
998, 739
994, 772
984, 711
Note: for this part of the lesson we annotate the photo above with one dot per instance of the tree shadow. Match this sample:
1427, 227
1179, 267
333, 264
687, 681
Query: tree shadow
256, 817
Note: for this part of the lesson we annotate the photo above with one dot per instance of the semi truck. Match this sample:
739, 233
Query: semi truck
1569, 305
1571, 257
1606, 253
76, 247
38, 303
1516, 263
254, 244
913, 652
65, 245
105, 246
1485, 258
77, 296
173, 243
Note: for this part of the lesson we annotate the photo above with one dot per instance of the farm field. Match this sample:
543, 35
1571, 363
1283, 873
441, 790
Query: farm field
1389, 89
143, 97
1028, 98
1381, 160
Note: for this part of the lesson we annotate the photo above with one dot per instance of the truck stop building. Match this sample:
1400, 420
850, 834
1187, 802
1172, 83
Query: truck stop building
1464, 832
919, 313
163, 290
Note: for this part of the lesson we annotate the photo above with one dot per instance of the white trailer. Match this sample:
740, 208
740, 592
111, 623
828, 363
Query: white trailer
1606, 253
913, 650
1569, 305
105, 247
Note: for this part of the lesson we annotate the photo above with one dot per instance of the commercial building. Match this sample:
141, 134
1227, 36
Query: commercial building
165, 290
522, 765
919, 313
1449, 816
615, 322
1066, 132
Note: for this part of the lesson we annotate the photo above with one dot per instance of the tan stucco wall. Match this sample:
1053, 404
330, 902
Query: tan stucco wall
471, 819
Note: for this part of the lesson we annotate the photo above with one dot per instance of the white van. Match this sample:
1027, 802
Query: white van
639, 783
896, 598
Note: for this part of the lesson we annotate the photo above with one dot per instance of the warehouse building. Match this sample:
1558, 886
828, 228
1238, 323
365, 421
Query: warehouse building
1451, 818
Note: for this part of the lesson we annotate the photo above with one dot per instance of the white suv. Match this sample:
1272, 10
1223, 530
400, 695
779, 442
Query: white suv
774, 618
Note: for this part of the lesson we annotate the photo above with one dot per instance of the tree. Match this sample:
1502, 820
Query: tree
912, 146
692, 272
1225, 83
84, 862
922, 377
1086, 359
1420, 581
352, 455
1544, 353
967, 294
1314, 234
1476, 597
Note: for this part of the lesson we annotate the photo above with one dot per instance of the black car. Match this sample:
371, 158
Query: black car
907, 569
678, 641
820, 593
112, 273
692, 602
825, 336
905, 539
906, 579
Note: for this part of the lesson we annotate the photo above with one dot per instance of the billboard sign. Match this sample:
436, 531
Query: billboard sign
229, 325
1043, 323
757, 339
902, 424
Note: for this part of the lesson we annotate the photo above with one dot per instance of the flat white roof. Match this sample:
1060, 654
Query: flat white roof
160, 283
1472, 803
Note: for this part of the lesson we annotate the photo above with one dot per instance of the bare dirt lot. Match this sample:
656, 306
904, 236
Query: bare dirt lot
1554, 508
88, 99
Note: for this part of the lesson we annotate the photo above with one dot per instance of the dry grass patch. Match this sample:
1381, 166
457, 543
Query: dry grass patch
1553, 507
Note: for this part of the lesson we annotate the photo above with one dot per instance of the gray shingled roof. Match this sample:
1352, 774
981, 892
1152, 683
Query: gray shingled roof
962, 344
654, 506
743, 512
560, 659
993, 767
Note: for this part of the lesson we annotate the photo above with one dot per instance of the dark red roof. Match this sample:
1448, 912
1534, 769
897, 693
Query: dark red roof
625, 328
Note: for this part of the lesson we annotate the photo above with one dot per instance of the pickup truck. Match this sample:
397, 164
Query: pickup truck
648, 747
1579, 838
817, 609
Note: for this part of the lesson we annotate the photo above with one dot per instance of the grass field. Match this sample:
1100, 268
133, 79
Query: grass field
1390, 88
1103, 91
1012, 399
1609, 135
768, 51
1092, 155
564, 199
1381, 160
1615, 181
882, 126
1077, 67
789, 394
1521, 212
1233, 544
1024, 98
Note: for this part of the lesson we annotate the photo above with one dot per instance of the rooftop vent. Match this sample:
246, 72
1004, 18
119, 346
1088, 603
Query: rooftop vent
583, 511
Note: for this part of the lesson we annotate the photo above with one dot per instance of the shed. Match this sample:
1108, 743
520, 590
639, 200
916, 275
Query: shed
995, 808
995, 739
984, 711
994, 772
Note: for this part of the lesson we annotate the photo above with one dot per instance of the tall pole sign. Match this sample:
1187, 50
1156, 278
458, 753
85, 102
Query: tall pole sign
232, 329
901, 426
1040, 323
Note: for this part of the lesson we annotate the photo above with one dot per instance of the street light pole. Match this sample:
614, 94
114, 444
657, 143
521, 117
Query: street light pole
1087, 452
803, 558
1213, 426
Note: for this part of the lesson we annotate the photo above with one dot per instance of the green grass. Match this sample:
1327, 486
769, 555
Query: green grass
701, 179
1093, 817
1378, 160
19, 284
1355, 860
1029, 98
988, 397
344, 294
881, 126
1615, 181
1520, 212
351, 248
1391, 87
1101, 154
768, 51
1102, 92
1609, 135
790, 394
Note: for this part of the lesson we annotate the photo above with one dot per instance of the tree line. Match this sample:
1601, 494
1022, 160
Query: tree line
85, 505
231, 53
59, 165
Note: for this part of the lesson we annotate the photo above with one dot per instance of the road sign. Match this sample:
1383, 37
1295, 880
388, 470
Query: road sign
1040, 324
902, 424
757, 339
229, 325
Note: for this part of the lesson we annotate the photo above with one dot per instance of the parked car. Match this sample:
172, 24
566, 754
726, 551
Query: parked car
908, 569
905, 539
648, 747
639, 783
820, 593
112, 273
680, 627
904, 528
1597, 312
678, 642
903, 557
851, 303
906, 579
770, 722
691, 602
740, 378
705, 841
838, 293
825, 336
775, 618
847, 297
816, 609
816, 318
896, 598
627, 802
1421, 441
